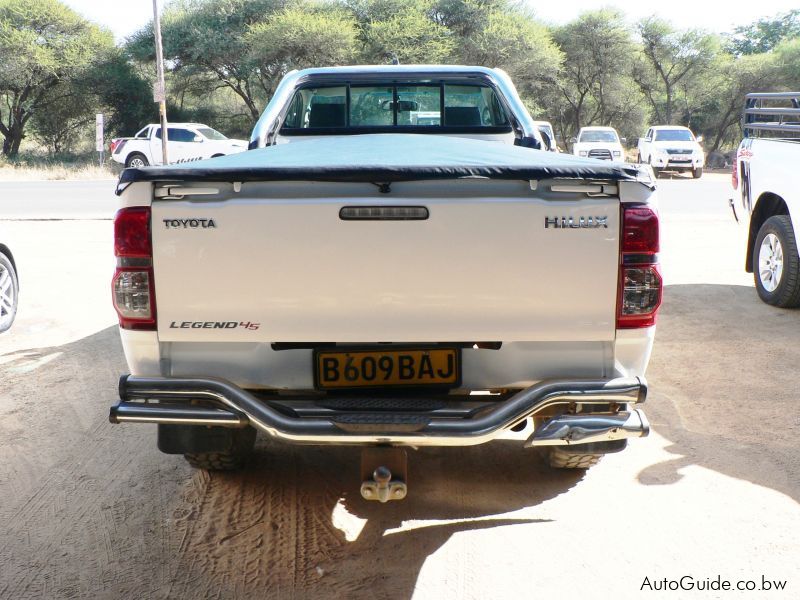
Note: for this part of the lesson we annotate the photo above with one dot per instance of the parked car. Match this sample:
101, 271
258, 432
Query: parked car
9, 288
672, 148
388, 291
769, 190
546, 128
599, 142
186, 142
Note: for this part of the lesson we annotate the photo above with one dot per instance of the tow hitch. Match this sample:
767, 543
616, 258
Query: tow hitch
383, 474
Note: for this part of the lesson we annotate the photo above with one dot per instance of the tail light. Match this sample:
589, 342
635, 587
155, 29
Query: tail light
116, 144
640, 283
735, 174
132, 288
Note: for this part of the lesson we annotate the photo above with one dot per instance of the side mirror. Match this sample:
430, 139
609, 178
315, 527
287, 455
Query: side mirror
198, 138
573, 140
699, 138
623, 141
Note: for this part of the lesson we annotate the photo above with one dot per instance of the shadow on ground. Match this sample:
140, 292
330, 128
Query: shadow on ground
724, 386
88, 507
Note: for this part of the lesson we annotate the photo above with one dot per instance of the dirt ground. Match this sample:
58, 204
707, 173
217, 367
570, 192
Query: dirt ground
93, 510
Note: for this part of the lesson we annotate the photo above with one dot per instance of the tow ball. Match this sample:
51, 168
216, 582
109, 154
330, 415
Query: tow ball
383, 474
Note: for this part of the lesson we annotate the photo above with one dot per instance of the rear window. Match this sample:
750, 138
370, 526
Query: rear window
423, 106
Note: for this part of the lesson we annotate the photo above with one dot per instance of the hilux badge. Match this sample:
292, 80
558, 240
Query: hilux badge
576, 222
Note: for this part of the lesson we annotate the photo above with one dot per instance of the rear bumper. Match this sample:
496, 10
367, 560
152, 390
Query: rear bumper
216, 402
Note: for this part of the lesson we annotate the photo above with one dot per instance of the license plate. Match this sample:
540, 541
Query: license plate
337, 369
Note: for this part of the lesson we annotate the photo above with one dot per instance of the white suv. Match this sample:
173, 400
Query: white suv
598, 142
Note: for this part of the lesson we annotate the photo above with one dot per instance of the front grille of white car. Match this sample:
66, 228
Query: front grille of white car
601, 154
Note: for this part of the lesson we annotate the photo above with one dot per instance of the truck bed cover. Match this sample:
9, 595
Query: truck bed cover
382, 158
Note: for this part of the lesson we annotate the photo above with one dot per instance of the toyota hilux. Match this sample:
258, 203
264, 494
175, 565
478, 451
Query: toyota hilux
388, 282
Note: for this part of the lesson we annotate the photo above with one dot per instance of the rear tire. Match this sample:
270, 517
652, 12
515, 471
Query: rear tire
776, 264
562, 459
243, 442
697, 173
136, 160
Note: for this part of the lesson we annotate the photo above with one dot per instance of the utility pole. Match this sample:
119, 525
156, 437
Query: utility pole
160, 93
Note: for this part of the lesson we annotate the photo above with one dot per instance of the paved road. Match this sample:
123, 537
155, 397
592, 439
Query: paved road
57, 199
93, 510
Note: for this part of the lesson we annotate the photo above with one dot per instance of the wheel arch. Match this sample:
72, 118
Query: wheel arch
5, 251
768, 205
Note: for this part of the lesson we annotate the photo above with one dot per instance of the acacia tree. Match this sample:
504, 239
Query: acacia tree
43, 44
765, 34
668, 60
722, 113
315, 35
594, 78
207, 39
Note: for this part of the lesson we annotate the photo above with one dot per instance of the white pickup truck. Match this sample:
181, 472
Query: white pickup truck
391, 289
769, 191
186, 142
672, 148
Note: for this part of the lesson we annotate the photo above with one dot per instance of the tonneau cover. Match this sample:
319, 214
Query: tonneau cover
390, 157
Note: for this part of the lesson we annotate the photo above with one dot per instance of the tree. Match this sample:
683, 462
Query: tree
405, 32
298, 38
511, 39
788, 59
593, 80
719, 116
207, 38
121, 91
64, 115
764, 34
43, 43
668, 60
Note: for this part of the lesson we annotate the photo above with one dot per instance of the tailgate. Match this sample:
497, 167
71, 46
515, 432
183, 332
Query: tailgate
277, 263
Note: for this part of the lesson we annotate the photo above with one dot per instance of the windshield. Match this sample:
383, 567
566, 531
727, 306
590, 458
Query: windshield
211, 134
674, 135
599, 136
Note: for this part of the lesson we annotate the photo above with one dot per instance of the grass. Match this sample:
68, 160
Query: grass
32, 167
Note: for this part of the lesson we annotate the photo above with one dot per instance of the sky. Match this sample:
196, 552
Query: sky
123, 17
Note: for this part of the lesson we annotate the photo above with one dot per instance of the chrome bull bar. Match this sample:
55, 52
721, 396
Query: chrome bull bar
168, 400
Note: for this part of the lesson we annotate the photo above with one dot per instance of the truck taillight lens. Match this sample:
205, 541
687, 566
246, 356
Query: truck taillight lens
640, 282
132, 288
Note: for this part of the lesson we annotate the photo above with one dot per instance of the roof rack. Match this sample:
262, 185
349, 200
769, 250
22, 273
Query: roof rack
774, 115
